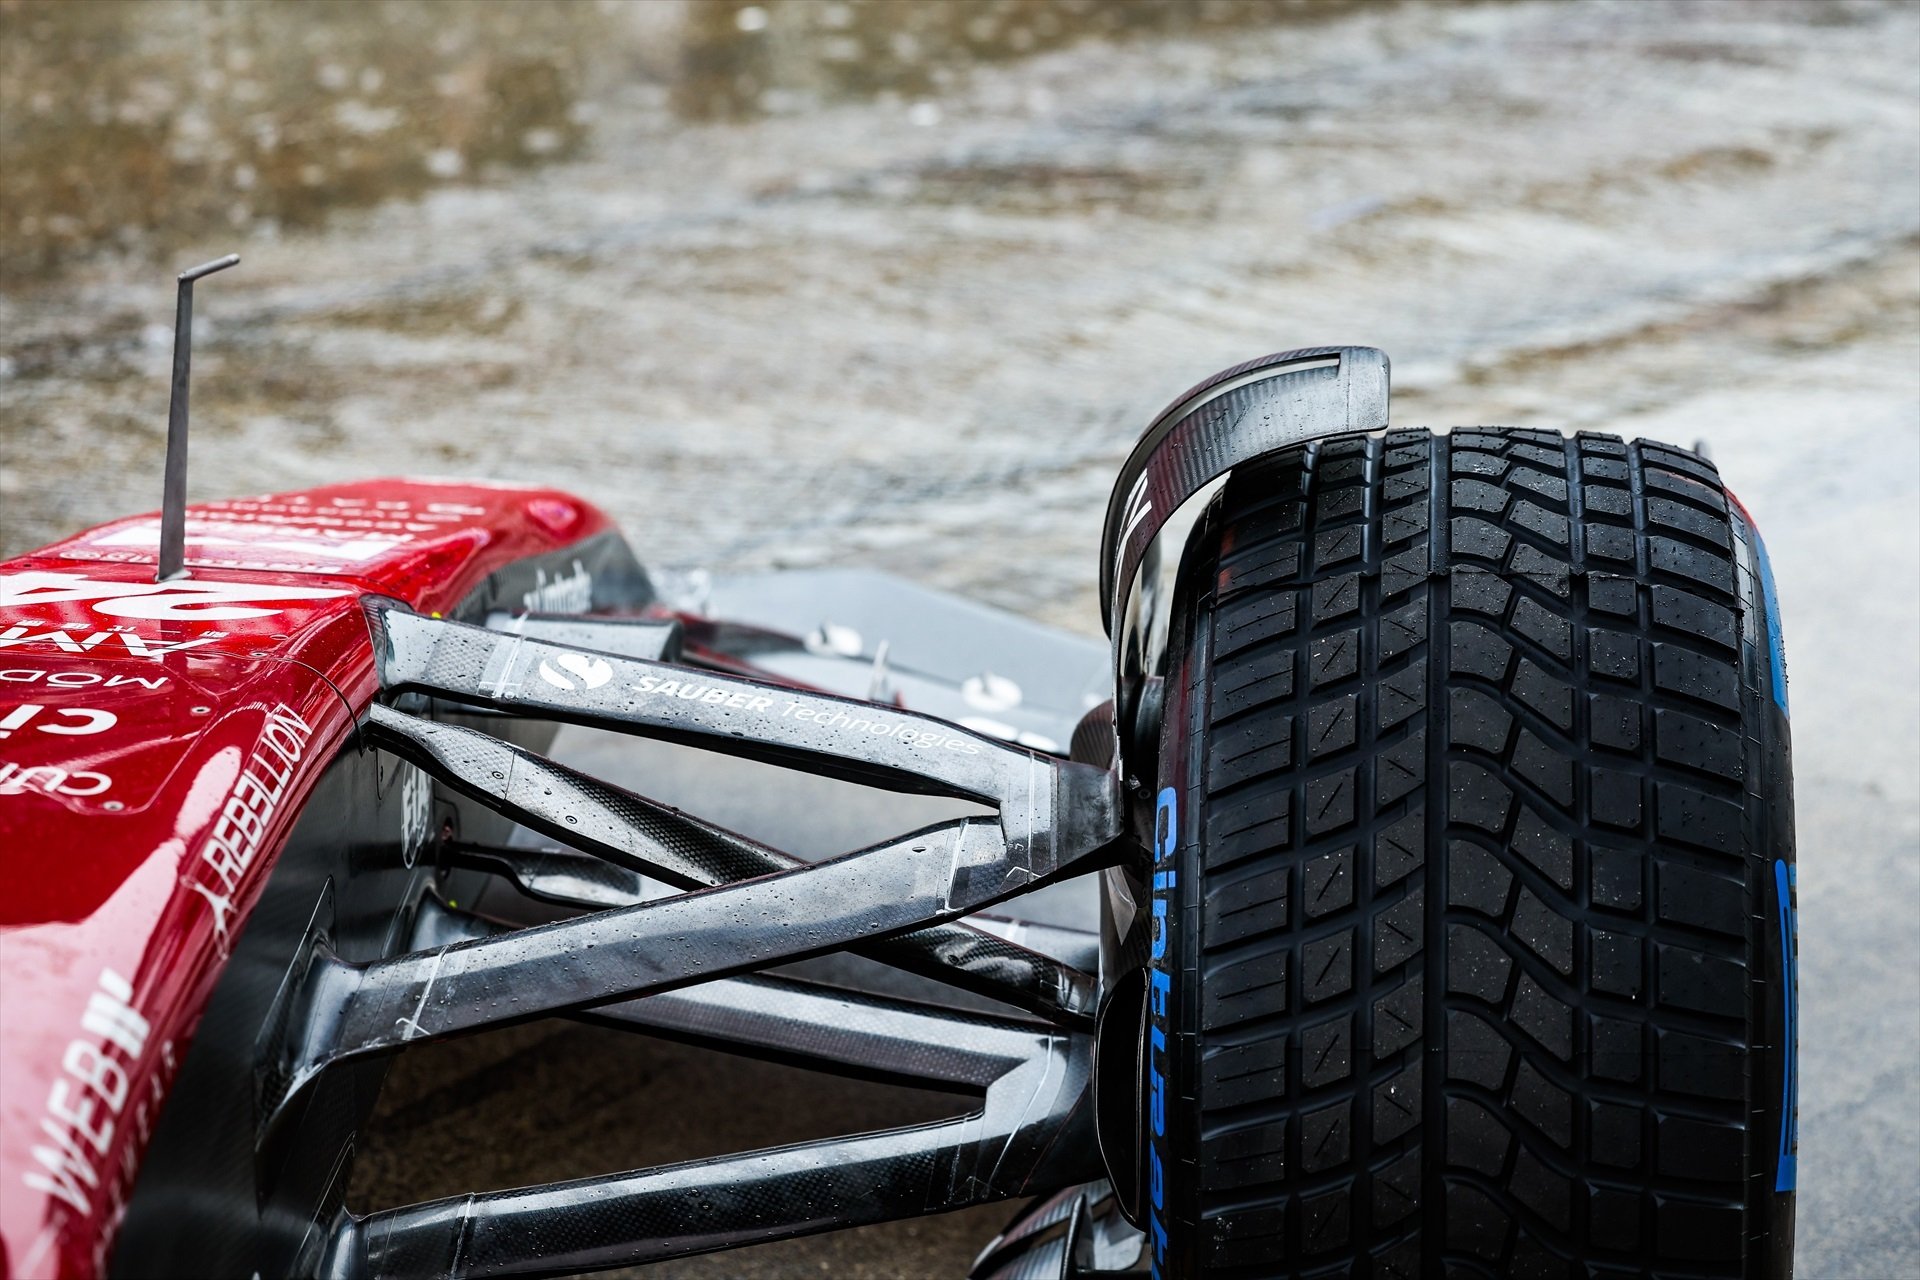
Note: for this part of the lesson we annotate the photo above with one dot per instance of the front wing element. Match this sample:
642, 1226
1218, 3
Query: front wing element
1251, 410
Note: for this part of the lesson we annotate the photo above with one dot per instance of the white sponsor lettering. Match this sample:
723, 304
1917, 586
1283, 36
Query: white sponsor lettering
572, 671
332, 510
234, 841
77, 679
133, 645
186, 599
87, 1097
325, 543
694, 691
913, 733
1138, 507
85, 720
563, 593
416, 814
51, 780
221, 904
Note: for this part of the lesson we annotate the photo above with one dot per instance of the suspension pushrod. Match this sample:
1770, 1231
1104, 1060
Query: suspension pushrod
837, 737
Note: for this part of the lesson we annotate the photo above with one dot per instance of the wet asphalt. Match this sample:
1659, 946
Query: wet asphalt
771, 309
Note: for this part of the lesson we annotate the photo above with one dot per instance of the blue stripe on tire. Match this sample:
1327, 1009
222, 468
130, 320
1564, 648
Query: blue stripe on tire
1787, 1175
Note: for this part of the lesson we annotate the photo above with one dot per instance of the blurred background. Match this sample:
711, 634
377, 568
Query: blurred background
895, 283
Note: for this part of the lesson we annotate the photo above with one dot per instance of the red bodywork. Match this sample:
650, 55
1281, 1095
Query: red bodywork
157, 742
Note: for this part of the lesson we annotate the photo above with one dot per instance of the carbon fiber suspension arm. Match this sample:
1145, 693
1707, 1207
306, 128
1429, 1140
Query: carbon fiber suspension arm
635, 832
800, 1022
1054, 818
823, 734
1032, 1134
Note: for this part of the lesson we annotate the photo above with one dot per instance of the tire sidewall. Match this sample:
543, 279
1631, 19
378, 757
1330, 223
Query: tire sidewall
1171, 1056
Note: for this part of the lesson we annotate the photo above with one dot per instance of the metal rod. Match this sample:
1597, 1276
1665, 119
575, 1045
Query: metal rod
173, 494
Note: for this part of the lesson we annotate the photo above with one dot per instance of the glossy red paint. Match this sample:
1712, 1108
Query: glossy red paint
157, 742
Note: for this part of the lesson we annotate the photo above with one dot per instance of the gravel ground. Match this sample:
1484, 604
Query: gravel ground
915, 326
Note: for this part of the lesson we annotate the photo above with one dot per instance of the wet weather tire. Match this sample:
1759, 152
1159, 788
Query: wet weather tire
1472, 892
